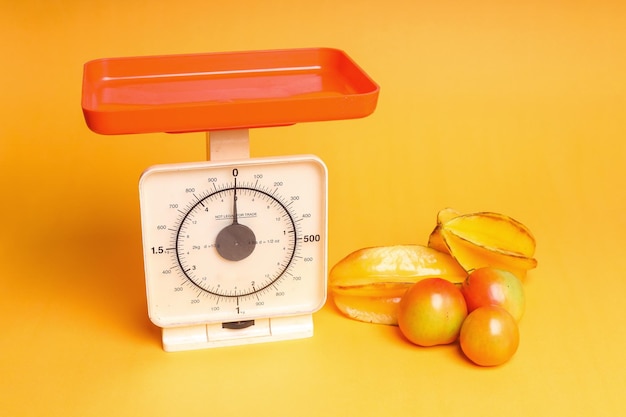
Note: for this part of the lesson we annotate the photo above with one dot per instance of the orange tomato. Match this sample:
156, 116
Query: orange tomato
489, 336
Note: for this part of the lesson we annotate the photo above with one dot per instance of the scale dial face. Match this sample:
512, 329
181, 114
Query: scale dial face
231, 241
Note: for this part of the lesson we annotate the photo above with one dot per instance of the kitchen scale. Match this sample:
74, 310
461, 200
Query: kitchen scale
235, 248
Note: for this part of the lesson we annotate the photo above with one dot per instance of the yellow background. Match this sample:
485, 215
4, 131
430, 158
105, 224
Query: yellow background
514, 107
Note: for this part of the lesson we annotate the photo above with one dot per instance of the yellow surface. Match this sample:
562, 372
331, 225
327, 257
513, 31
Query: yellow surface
484, 105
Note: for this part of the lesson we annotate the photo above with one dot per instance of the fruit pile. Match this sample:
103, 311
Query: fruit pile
465, 285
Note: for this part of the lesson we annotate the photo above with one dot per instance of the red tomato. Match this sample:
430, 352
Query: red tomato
492, 286
489, 336
431, 312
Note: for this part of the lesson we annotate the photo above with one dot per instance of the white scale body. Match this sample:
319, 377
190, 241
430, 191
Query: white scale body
235, 250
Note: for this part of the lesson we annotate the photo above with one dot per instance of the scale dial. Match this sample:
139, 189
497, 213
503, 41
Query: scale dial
255, 230
232, 241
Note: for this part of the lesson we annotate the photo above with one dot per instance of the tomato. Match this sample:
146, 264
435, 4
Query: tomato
492, 286
489, 336
431, 312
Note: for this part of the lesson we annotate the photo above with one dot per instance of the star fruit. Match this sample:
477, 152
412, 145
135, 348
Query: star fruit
367, 285
485, 239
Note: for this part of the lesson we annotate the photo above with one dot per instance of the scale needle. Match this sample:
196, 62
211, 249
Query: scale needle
235, 203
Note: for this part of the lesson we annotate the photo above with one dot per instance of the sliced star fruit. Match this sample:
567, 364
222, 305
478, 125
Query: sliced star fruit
367, 285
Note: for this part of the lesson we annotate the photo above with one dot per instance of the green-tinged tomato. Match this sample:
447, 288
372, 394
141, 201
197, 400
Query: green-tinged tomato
492, 286
431, 312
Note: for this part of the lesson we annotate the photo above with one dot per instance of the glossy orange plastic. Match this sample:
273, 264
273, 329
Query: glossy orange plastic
218, 91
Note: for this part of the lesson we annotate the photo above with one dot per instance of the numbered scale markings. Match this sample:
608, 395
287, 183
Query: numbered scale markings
230, 242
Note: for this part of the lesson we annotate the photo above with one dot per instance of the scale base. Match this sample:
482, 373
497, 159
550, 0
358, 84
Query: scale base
203, 336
